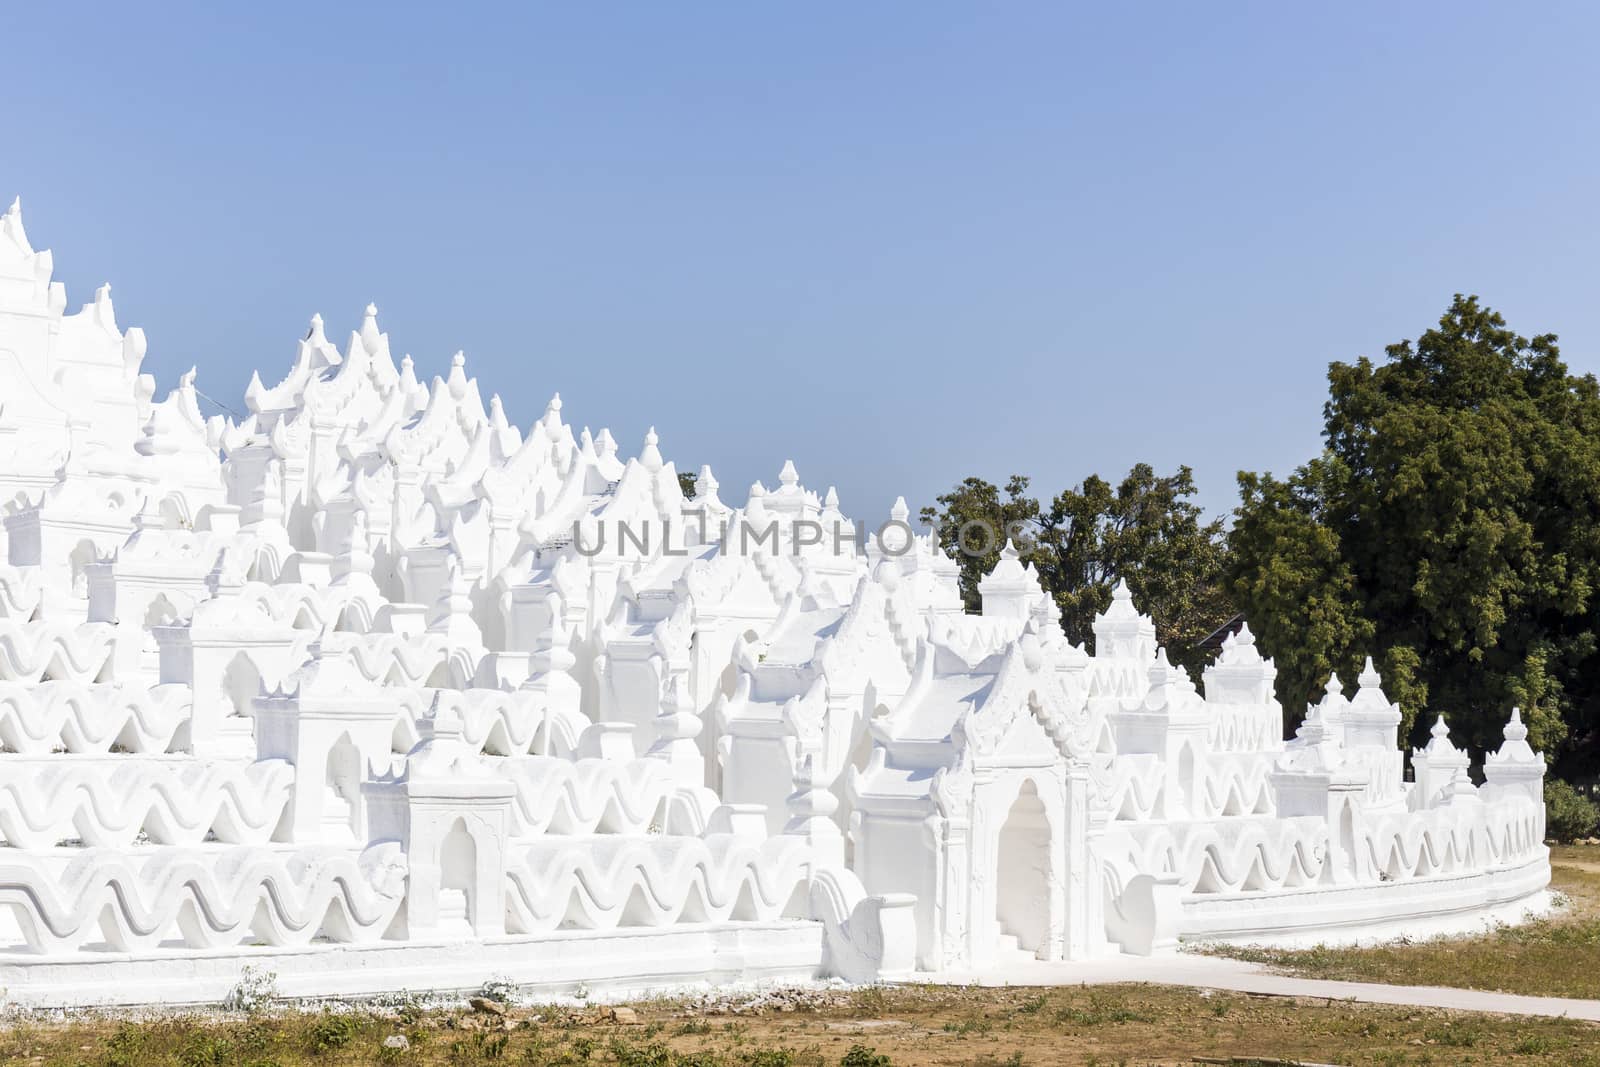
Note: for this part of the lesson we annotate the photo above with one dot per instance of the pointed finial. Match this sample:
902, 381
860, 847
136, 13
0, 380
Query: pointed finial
789, 477
707, 483
650, 457
1334, 687
1369, 676
830, 499
899, 513
1120, 591
1439, 730
1514, 730
459, 359
1009, 551
1245, 636
369, 327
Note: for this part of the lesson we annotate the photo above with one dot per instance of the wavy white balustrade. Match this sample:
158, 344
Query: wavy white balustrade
33, 649
495, 722
20, 592
1231, 856
587, 796
1452, 839
604, 882
108, 802
90, 717
66, 899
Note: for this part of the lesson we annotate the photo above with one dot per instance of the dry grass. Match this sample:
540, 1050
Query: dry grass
1556, 957
900, 1027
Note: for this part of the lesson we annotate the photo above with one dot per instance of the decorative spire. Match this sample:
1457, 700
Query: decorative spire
1334, 688
789, 477
1516, 760
1369, 678
650, 456
11, 226
899, 513
705, 490
1514, 730
458, 375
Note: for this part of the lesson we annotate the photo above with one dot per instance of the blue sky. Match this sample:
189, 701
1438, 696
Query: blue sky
897, 243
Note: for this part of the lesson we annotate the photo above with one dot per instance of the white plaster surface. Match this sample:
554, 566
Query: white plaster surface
373, 687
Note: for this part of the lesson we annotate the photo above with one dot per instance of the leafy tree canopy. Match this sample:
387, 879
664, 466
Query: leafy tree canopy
1449, 529
1146, 529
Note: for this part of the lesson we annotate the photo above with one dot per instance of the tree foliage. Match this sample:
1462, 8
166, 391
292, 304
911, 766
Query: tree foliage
1145, 529
1449, 528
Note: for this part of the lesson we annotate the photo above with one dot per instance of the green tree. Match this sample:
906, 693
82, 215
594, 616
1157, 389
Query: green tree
974, 521
1287, 573
1145, 529
1450, 528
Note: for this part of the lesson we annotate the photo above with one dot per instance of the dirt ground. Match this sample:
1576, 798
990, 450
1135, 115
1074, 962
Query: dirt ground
921, 1026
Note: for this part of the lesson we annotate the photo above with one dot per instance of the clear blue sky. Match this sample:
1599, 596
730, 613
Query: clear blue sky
897, 243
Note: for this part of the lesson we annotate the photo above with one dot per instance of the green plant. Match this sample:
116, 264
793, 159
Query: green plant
244, 1046
654, 1054
1568, 814
862, 1056
701, 1058
1532, 1045
127, 1045
768, 1057
1454, 1035
332, 1031
479, 1047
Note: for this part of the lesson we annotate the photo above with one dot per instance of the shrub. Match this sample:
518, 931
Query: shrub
332, 1031
862, 1056
1568, 814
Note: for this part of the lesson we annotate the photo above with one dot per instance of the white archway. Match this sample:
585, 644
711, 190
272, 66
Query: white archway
1022, 872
